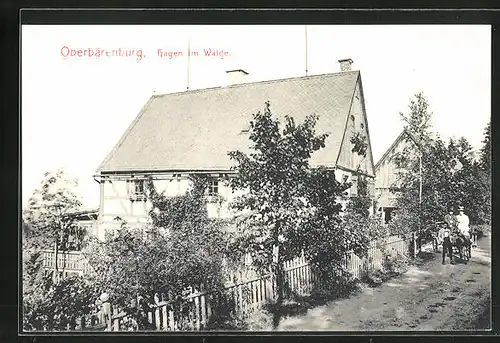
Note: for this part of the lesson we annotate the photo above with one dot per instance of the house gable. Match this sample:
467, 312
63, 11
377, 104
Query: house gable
356, 122
387, 171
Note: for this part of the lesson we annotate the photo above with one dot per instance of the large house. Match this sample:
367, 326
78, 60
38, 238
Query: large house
176, 135
387, 173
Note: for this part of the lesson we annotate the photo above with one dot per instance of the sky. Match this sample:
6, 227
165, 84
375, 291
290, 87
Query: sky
74, 109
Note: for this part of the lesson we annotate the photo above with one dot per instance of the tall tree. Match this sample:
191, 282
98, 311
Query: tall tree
436, 176
450, 178
485, 152
483, 170
418, 120
48, 213
281, 193
418, 201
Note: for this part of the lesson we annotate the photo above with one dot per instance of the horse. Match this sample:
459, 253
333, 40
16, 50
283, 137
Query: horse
450, 238
463, 245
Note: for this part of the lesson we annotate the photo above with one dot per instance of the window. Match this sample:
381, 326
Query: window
213, 188
354, 187
139, 187
178, 179
136, 190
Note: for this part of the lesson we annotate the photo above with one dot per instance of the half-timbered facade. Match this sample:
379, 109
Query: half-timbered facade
180, 134
387, 173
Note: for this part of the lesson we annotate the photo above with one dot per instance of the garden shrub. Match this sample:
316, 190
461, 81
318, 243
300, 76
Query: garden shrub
57, 306
392, 265
225, 317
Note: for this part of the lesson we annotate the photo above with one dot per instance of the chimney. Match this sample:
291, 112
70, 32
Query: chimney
345, 64
236, 76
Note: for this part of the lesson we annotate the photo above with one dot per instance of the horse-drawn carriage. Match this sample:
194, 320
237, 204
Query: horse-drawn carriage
452, 241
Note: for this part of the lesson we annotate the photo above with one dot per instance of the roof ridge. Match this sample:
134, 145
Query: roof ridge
258, 82
393, 144
365, 115
396, 141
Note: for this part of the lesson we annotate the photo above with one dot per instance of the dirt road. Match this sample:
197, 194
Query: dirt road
431, 297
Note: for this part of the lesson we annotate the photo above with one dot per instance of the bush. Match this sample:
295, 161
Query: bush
374, 278
334, 286
225, 317
391, 266
396, 265
259, 320
57, 306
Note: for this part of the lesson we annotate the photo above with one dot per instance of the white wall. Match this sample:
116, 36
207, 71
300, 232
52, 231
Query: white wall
116, 202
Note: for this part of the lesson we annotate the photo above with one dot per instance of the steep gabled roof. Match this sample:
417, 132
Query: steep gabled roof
194, 130
404, 134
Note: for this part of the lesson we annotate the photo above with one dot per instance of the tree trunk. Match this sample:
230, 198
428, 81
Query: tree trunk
56, 265
279, 300
280, 282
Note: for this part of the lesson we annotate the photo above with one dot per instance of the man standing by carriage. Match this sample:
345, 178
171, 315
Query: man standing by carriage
446, 233
444, 237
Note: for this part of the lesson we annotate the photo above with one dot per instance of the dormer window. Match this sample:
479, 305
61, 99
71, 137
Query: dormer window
213, 187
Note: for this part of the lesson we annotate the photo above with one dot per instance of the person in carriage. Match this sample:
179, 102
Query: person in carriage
464, 227
464, 234
463, 224
451, 220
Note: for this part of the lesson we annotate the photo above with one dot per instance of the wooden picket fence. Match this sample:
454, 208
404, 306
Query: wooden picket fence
247, 296
392, 245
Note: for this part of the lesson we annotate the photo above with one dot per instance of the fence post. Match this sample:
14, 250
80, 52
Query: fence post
106, 310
